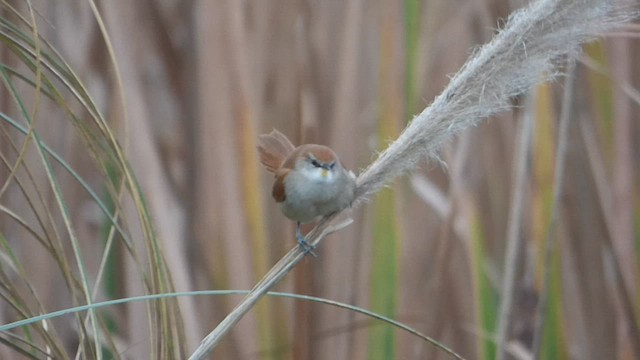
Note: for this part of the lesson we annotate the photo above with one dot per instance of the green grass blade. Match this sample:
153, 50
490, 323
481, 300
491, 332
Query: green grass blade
487, 299
373, 315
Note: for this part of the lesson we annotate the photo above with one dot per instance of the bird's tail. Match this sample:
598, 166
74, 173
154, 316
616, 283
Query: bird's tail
274, 149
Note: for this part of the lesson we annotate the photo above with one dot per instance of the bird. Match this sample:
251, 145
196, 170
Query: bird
310, 181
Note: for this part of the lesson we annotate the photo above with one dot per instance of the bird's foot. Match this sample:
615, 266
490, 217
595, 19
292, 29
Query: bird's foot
304, 245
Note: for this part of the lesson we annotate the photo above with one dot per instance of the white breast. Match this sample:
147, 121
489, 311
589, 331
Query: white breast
309, 194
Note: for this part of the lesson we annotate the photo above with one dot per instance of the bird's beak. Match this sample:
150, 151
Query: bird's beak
324, 173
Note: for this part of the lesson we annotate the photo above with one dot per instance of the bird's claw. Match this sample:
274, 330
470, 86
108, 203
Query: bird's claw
305, 246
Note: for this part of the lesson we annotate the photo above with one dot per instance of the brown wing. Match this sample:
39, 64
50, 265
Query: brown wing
274, 149
278, 192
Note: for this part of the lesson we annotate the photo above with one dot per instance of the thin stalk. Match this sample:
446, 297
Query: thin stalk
558, 174
515, 240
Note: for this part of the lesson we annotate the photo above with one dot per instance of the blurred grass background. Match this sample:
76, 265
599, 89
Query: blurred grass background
140, 176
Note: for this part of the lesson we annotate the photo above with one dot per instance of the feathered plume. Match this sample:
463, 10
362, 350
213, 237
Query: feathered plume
522, 54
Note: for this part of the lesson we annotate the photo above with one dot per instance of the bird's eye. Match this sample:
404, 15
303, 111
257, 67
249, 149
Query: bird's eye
332, 165
315, 163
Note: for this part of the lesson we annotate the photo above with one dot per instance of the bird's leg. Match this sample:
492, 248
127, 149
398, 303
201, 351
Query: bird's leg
306, 247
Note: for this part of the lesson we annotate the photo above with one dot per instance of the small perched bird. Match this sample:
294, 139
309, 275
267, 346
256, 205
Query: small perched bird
310, 180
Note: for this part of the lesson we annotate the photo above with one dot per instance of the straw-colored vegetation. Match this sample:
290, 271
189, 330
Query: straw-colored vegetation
128, 168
